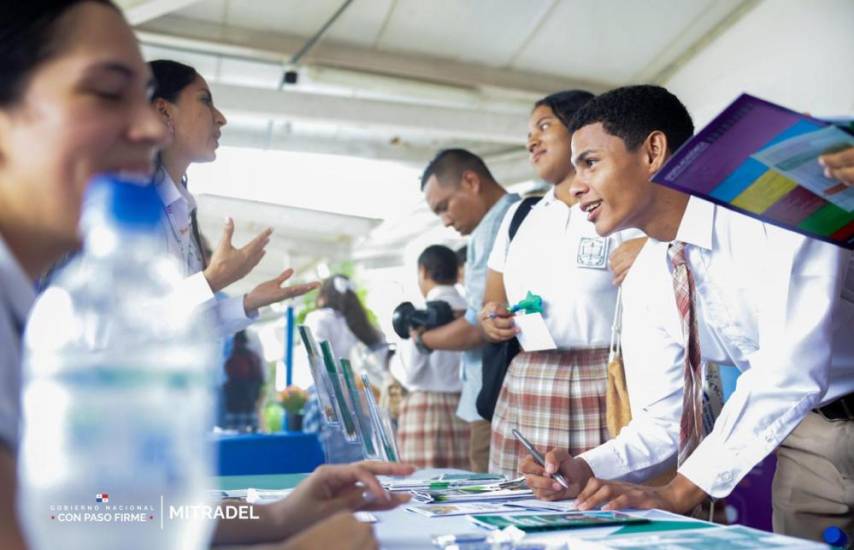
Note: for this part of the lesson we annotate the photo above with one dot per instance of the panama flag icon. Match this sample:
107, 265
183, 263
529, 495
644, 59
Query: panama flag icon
102, 497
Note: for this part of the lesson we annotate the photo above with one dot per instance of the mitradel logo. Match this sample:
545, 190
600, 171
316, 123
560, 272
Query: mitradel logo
105, 512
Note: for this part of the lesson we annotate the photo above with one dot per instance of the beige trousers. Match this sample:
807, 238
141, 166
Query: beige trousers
814, 484
480, 431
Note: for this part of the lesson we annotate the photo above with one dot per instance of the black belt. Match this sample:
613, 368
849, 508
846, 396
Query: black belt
841, 409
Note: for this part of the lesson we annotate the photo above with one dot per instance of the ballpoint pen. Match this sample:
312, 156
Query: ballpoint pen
538, 456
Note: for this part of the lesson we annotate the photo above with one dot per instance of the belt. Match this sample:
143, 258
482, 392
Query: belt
841, 409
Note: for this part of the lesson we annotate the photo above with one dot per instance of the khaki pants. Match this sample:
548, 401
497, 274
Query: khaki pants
814, 483
480, 432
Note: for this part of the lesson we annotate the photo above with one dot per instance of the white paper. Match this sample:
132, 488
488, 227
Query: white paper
462, 509
265, 496
534, 335
365, 517
551, 506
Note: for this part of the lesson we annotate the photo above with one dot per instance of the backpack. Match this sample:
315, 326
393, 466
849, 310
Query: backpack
497, 357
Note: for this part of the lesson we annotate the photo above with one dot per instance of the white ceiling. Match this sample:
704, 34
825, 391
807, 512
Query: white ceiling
397, 80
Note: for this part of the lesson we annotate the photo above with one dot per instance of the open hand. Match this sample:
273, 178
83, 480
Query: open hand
680, 495
340, 487
271, 292
229, 264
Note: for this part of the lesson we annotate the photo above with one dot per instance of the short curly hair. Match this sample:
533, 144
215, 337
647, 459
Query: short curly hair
633, 112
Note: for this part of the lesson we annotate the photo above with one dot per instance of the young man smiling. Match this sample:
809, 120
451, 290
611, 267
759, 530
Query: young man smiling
714, 285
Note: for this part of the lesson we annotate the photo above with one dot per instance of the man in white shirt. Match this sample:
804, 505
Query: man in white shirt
460, 189
774, 303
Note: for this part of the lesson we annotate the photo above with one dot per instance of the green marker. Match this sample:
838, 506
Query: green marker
531, 303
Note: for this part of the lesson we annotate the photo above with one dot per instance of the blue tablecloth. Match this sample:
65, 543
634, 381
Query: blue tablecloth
258, 454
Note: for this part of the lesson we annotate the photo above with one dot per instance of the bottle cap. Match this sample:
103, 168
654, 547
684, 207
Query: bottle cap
132, 204
835, 536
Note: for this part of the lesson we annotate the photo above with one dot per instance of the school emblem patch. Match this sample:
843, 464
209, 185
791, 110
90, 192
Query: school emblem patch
592, 253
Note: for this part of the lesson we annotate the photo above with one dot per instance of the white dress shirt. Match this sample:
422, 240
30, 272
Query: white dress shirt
557, 254
438, 371
330, 325
777, 305
16, 299
194, 290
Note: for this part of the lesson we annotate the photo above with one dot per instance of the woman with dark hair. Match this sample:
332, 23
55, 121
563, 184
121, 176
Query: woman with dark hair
556, 398
340, 317
74, 87
184, 102
73, 103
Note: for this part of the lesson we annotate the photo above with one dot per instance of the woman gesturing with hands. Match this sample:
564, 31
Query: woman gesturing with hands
185, 105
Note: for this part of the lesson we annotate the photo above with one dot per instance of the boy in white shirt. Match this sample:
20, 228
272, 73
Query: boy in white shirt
714, 285
430, 434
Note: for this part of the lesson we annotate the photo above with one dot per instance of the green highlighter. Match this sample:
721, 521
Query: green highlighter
531, 303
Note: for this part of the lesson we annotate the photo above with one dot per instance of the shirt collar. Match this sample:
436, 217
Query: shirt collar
16, 285
438, 291
697, 223
171, 192
497, 209
549, 197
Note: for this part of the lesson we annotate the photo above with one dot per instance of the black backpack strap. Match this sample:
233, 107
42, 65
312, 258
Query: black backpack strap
520, 214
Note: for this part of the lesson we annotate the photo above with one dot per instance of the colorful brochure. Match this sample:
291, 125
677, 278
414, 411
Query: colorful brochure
553, 522
318, 374
442, 481
761, 159
512, 489
363, 421
461, 509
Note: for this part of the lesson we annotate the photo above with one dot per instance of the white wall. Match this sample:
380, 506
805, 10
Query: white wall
799, 53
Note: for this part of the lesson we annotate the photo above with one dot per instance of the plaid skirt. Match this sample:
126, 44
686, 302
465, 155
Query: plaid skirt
429, 433
556, 399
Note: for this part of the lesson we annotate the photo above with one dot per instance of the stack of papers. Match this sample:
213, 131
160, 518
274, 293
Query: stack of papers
443, 481
512, 489
462, 509
555, 521
735, 536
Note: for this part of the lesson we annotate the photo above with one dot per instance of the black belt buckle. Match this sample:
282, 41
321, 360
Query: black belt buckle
841, 409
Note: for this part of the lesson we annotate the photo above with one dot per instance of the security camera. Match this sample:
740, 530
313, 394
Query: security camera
291, 75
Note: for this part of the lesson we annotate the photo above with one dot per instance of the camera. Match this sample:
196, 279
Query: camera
406, 317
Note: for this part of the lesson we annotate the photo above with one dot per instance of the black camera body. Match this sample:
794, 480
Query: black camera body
406, 317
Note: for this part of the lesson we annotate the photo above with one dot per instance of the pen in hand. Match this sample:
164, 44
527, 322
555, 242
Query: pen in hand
538, 457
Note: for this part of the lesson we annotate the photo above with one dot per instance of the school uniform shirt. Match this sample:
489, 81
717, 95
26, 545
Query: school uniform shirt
437, 371
16, 299
330, 325
480, 245
194, 290
557, 254
777, 305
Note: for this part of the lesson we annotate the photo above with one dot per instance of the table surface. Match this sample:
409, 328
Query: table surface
401, 528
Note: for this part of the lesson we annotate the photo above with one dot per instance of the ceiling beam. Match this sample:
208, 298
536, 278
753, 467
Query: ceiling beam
301, 143
394, 117
141, 11
211, 38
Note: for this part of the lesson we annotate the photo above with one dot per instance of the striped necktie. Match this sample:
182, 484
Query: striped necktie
691, 430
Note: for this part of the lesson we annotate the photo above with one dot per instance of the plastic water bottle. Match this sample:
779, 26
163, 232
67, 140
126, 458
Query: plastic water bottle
117, 392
